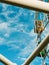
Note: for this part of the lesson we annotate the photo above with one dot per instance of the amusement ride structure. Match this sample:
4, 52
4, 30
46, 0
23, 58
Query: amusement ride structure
39, 26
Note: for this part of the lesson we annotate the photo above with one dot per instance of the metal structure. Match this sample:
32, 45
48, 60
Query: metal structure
37, 50
38, 6
39, 28
31, 4
5, 60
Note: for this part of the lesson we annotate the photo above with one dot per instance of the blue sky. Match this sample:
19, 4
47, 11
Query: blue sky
17, 37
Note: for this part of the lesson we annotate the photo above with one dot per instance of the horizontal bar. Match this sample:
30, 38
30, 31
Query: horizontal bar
5, 60
37, 50
31, 4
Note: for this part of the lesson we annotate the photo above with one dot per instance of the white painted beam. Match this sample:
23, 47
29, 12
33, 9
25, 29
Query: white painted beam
37, 50
32, 4
5, 60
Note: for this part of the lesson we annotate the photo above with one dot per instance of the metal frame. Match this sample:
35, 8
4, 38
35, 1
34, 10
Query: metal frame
5, 60
37, 50
31, 4
34, 5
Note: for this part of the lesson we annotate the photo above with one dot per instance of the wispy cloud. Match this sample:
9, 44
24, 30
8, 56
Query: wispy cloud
29, 48
2, 41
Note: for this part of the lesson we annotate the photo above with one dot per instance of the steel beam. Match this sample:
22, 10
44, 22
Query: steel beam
5, 60
31, 4
37, 50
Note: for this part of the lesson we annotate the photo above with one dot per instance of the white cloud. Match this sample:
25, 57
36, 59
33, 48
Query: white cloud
14, 64
22, 58
6, 35
32, 33
13, 47
2, 41
3, 26
4, 29
29, 48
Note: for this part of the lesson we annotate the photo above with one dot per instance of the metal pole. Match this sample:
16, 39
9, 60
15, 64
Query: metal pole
37, 50
31, 4
5, 60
